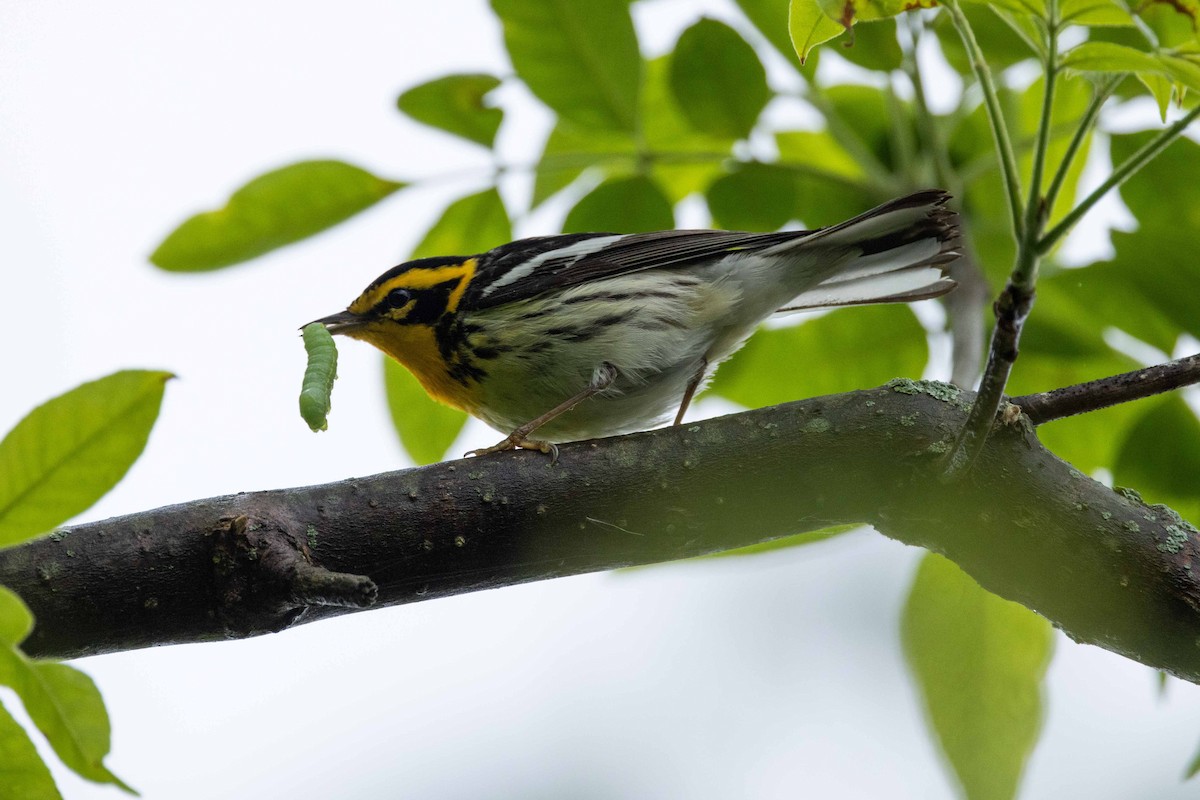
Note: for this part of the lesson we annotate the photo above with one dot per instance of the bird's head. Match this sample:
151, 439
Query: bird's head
405, 304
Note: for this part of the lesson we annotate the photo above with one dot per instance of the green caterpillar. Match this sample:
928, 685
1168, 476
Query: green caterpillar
318, 376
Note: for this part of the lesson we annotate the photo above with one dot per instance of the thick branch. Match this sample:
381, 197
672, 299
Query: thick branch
1102, 565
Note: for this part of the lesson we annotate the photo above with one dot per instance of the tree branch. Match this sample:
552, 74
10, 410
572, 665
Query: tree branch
1111, 391
1103, 566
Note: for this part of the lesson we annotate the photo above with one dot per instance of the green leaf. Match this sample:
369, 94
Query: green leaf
1077, 306
757, 197
1158, 264
456, 104
1157, 261
1024, 23
16, 621
273, 210
1160, 456
1174, 22
1109, 57
1162, 90
979, 662
1094, 12
472, 224
67, 453
687, 160
427, 428
1033, 8
848, 12
809, 26
1193, 767
716, 76
23, 774
1002, 45
1088, 441
626, 205
844, 350
581, 59
67, 708
867, 113
829, 184
570, 151
1177, 165
874, 46
787, 542
818, 151
771, 19
681, 159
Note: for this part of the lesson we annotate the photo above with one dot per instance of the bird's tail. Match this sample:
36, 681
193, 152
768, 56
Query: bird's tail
896, 254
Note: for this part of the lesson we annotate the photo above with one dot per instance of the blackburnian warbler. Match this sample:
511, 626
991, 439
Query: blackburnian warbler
593, 334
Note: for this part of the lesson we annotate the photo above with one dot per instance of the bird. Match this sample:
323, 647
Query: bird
576, 336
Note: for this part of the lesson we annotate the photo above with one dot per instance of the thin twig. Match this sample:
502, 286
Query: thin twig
1104, 392
1127, 170
944, 174
1085, 126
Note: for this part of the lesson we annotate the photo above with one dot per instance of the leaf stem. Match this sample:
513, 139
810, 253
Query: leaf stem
1013, 305
1086, 124
991, 100
1119, 175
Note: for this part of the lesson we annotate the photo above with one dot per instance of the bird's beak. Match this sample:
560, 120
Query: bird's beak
342, 322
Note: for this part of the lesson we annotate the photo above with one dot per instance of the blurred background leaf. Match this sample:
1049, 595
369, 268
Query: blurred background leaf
1160, 455
275, 209
716, 76
427, 428
472, 224
625, 205
456, 104
871, 345
755, 197
580, 59
979, 662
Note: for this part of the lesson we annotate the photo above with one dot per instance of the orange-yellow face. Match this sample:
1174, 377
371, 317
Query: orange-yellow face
399, 313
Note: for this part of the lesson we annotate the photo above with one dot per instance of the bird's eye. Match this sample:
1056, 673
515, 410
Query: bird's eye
397, 298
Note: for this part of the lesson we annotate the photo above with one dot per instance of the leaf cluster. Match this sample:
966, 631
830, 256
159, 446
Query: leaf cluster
59, 460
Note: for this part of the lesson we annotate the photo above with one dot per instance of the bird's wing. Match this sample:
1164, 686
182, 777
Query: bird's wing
530, 267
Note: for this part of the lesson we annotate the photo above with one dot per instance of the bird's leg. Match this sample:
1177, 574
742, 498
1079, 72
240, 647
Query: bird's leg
691, 390
602, 378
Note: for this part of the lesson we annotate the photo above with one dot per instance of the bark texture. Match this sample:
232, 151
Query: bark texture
1101, 564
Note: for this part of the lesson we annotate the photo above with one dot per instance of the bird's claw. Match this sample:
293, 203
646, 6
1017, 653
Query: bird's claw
516, 441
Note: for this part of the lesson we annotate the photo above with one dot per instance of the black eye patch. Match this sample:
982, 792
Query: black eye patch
397, 298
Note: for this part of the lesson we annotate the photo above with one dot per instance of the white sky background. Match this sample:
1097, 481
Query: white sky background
766, 677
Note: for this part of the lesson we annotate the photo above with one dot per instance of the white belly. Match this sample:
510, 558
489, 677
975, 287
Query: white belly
655, 332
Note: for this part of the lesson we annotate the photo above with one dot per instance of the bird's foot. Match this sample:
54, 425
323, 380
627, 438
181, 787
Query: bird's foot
517, 440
